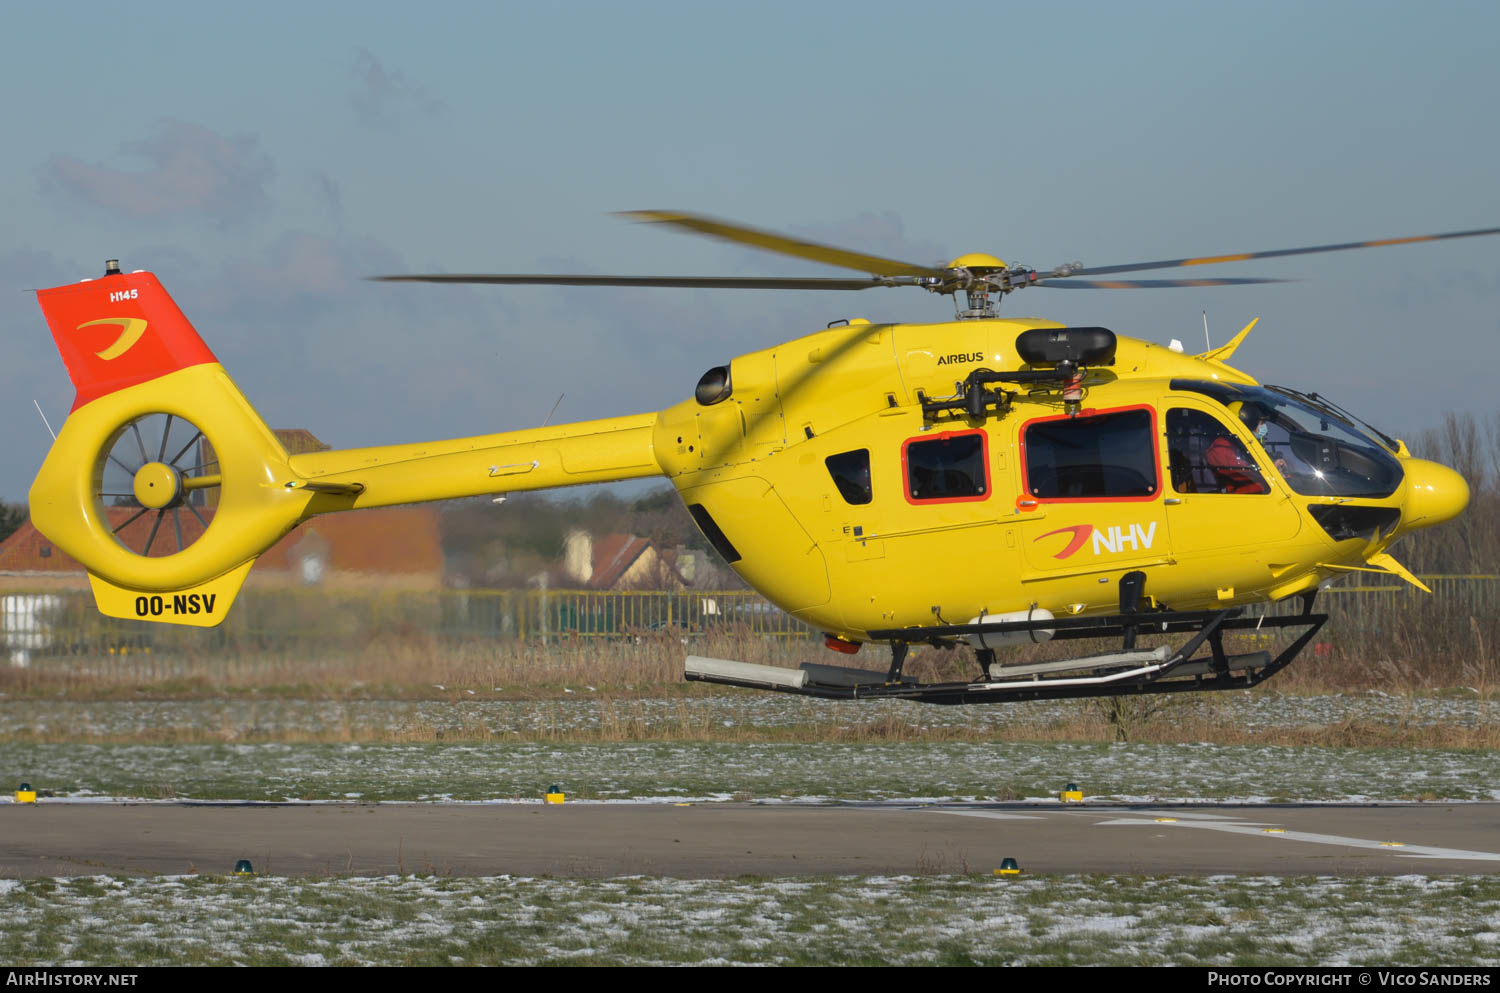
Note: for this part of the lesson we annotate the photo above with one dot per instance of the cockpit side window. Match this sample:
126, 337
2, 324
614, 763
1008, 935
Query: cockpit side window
851, 474
1205, 456
1314, 449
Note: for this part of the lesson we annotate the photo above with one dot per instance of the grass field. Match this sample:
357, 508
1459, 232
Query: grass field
905, 920
1458, 719
613, 722
707, 771
413, 665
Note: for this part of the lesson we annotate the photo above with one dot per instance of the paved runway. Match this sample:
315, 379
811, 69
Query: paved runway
732, 839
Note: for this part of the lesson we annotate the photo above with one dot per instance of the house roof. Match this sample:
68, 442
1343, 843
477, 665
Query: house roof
299, 440
614, 554
28, 550
385, 540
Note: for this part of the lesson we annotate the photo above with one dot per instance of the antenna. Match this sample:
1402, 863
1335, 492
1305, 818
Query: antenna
1206, 344
554, 409
44, 420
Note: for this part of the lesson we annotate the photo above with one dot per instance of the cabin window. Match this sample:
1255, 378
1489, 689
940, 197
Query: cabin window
711, 531
950, 466
1204, 456
851, 474
1104, 456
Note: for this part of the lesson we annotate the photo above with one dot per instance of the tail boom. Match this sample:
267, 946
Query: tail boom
602, 451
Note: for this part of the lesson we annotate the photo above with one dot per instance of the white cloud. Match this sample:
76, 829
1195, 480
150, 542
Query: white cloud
191, 170
383, 95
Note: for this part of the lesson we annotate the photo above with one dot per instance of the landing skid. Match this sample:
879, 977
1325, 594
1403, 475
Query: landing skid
1121, 673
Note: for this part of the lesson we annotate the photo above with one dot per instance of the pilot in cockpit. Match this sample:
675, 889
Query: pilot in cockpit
1233, 471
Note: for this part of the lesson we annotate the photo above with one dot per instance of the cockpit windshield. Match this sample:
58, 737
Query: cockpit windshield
1321, 403
1318, 452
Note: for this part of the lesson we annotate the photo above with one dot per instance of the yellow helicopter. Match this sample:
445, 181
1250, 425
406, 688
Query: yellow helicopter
984, 480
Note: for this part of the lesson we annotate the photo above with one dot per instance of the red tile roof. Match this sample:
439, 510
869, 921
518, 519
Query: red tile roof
382, 541
614, 554
28, 550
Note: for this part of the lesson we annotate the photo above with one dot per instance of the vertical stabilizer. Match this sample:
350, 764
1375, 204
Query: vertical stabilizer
118, 331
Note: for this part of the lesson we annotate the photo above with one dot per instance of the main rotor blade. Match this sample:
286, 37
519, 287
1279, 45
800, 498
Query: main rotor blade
682, 282
1280, 252
1145, 284
782, 244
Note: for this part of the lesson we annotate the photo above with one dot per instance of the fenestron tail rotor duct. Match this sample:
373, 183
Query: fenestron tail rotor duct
157, 483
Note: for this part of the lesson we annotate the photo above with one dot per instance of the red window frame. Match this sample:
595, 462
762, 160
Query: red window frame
1026, 493
984, 451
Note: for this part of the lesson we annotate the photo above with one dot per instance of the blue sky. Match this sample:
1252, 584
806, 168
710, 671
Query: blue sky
262, 158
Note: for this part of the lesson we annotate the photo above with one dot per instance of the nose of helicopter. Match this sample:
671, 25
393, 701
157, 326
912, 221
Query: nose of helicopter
1434, 494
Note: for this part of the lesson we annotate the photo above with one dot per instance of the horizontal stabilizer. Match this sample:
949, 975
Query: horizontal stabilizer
337, 489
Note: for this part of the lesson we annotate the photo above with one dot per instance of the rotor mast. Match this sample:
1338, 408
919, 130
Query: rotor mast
977, 275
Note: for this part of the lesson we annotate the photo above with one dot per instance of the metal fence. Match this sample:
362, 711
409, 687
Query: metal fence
34, 624
65, 622
1376, 608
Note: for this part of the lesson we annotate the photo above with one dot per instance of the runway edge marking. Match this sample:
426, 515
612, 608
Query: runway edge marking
1255, 828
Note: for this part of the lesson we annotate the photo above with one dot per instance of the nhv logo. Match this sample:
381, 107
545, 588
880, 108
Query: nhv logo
1111, 540
1137, 538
